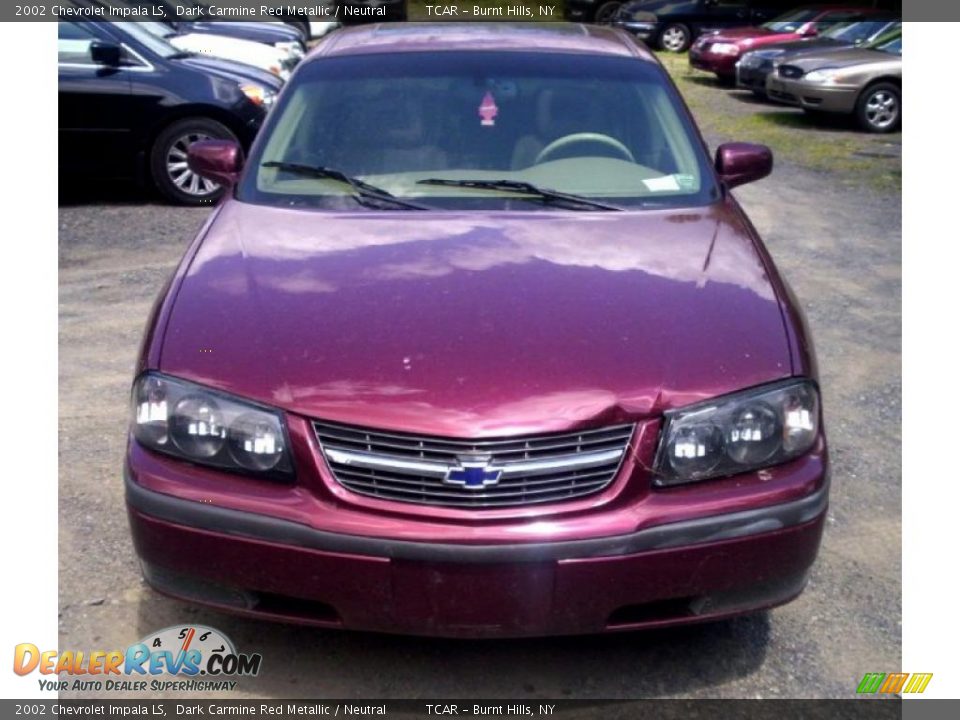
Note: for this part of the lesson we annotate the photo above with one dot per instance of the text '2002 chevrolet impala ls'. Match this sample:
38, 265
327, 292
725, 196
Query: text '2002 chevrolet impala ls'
478, 344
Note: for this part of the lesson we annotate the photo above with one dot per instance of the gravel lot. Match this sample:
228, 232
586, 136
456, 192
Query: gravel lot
839, 246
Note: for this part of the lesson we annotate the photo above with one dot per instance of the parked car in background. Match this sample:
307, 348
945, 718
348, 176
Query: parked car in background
754, 66
598, 11
265, 57
674, 24
864, 82
642, 445
719, 52
319, 28
193, 16
130, 104
218, 38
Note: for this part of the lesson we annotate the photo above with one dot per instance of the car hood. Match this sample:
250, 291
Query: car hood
232, 70
841, 58
257, 32
476, 324
228, 47
739, 34
806, 45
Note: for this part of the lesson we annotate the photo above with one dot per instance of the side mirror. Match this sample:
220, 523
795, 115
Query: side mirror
217, 160
807, 30
740, 163
106, 53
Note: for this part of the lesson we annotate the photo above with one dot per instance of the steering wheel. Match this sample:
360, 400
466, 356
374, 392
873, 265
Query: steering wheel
583, 137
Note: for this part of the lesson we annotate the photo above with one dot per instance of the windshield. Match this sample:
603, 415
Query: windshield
889, 46
146, 38
600, 128
857, 32
791, 21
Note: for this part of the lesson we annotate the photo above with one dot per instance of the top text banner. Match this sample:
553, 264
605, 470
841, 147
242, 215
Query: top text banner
348, 11
278, 10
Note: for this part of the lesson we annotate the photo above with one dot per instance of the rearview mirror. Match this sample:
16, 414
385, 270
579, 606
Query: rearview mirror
740, 163
106, 53
217, 160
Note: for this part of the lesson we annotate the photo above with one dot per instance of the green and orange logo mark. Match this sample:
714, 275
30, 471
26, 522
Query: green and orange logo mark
893, 683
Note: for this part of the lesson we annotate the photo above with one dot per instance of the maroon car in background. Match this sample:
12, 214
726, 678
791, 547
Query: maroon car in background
480, 344
719, 52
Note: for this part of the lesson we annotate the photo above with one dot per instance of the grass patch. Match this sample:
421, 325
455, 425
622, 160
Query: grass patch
831, 145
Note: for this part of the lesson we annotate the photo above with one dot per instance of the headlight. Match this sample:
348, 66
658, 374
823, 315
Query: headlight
725, 49
824, 75
258, 94
194, 423
738, 433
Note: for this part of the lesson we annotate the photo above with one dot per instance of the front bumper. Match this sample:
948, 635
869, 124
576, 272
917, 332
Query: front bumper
812, 96
721, 65
753, 77
680, 572
646, 31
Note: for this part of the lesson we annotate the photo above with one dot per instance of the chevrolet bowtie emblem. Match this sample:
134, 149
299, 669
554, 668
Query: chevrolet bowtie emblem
472, 472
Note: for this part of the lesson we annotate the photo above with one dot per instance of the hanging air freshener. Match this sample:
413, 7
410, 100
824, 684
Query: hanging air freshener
488, 110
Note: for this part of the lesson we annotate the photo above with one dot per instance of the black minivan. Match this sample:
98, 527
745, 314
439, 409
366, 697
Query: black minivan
130, 104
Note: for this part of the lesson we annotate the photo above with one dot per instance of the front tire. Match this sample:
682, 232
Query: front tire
607, 11
879, 108
168, 161
675, 37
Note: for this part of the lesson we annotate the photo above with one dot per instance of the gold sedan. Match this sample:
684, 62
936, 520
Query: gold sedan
865, 82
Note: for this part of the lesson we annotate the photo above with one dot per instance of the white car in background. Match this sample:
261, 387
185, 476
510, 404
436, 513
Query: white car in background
319, 29
312, 30
279, 61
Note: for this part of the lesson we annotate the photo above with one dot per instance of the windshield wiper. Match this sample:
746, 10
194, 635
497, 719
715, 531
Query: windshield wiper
364, 193
574, 202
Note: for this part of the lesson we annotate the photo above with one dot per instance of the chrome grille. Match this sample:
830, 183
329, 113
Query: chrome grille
521, 470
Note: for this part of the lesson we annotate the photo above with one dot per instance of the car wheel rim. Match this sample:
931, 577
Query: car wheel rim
673, 38
185, 179
882, 109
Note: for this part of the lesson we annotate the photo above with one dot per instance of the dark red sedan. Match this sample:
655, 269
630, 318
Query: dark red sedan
479, 344
719, 52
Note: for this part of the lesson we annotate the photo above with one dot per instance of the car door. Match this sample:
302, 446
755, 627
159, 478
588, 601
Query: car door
93, 106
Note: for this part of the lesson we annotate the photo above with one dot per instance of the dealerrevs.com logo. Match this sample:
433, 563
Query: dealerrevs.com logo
179, 658
893, 683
